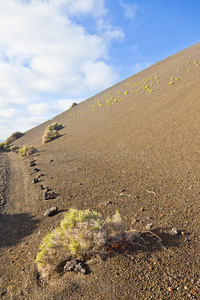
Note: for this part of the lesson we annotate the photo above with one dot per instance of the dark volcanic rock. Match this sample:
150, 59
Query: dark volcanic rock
40, 175
32, 163
35, 180
74, 265
49, 195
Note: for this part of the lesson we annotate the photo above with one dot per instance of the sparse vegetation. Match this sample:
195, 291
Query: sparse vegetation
4, 146
81, 235
26, 151
51, 132
74, 104
16, 135
54, 126
14, 148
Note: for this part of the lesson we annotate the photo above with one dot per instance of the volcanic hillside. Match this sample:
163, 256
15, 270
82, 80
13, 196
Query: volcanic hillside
134, 148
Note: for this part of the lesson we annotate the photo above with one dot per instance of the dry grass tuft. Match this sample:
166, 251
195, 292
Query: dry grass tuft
81, 235
14, 137
51, 132
27, 151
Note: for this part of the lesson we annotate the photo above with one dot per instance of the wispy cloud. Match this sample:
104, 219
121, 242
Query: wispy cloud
46, 50
130, 10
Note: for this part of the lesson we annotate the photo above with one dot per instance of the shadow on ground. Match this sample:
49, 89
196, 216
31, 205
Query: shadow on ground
148, 241
15, 227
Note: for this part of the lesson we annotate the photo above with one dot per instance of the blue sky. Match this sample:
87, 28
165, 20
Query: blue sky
55, 52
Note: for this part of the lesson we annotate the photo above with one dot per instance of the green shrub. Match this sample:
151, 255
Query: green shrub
54, 126
4, 146
51, 132
14, 148
81, 235
16, 135
73, 104
50, 135
26, 151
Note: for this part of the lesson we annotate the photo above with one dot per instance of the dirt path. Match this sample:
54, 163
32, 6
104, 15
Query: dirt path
17, 221
4, 178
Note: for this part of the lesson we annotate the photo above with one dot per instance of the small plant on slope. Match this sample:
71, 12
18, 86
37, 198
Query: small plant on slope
54, 126
74, 104
27, 150
4, 146
51, 132
81, 235
14, 137
14, 148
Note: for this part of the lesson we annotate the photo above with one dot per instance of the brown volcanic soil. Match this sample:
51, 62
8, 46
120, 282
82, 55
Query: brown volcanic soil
142, 154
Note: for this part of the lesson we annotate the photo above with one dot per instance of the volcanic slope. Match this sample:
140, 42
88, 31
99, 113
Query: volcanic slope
134, 148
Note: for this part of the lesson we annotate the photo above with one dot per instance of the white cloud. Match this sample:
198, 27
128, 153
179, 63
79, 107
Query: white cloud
43, 108
129, 10
45, 51
7, 113
96, 8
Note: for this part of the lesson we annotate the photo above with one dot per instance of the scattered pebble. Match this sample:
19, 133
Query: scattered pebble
40, 175
51, 211
149, 226
175, 231
49, 195
108, 203
74, 265
32, 163
134, 220
35, 180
